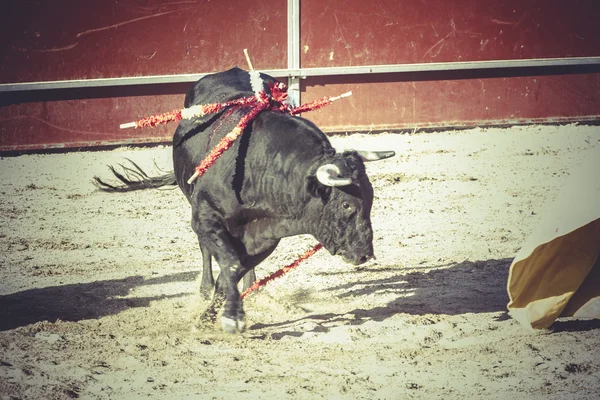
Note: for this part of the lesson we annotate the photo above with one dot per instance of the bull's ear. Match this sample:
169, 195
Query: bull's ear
375, 155
317, 189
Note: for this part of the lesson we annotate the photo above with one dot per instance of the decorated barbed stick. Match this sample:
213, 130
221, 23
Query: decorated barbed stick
316, 104
199, 110
248, 60
279, 95
226, 142
276, 100
262, 102
282, 271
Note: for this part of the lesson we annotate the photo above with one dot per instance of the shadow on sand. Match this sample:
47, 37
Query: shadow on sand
79, 301
466, 287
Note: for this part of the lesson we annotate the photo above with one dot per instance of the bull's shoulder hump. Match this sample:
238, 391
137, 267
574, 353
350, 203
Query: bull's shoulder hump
219, 87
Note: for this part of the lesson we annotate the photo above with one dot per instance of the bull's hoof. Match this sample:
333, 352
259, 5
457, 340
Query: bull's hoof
232, 326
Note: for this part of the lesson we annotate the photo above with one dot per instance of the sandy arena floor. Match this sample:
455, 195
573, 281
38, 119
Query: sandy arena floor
97, 290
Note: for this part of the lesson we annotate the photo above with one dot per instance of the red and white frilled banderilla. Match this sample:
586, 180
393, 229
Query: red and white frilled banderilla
276, 100
261, 101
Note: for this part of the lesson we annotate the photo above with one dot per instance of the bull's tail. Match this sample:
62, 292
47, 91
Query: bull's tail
134, 178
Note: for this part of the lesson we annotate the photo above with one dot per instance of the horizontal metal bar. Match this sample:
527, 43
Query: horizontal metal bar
144, 140
307, 72
114, 82
452, 66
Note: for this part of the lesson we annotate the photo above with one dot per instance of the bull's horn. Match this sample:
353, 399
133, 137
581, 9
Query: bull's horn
375, 155
329, 175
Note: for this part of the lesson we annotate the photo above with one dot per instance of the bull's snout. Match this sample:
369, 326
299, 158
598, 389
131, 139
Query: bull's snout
353, 250
363, 259
358, 259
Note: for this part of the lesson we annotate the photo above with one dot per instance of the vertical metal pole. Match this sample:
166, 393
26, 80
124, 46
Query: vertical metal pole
293, 50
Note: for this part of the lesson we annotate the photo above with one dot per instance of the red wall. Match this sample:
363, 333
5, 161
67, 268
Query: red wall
344, 32
74, 39
356, 33
67, 39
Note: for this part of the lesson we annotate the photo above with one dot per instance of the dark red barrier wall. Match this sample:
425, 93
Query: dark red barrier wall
384, 105
67, 39
344, 32
74, 39
350, 33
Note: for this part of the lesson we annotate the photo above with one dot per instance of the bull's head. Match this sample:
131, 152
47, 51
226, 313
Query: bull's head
344, 210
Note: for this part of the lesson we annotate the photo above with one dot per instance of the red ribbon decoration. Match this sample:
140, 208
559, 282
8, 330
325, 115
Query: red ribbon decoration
262, 101
227, 141
311, 106
154, 120
282, 271
276, 101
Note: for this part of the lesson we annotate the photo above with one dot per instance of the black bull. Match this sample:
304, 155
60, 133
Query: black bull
281, 178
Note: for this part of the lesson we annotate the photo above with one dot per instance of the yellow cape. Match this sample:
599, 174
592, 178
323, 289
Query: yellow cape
557, 271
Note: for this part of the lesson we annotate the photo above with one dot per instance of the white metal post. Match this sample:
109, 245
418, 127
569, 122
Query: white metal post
293, 50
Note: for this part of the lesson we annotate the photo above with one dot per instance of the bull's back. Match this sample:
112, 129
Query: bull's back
271, 136
194, 138
219, 87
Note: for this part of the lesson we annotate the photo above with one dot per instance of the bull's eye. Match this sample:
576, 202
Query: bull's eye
346, 205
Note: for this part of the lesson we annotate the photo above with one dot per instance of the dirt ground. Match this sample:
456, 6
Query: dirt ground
98, 291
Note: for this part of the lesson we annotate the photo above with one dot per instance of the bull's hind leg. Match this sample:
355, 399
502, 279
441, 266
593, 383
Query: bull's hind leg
251, 261
216, 240
249, 279
207, 282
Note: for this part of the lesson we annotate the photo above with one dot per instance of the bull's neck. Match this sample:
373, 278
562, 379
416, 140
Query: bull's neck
292, 215
289, 208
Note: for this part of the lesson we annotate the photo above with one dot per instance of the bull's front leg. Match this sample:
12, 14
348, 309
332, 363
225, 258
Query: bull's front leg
215, 238
233, 318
